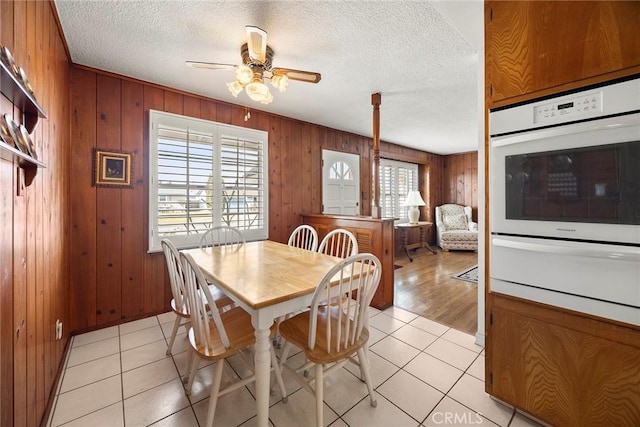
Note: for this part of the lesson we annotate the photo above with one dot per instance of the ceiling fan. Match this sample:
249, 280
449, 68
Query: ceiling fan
256, 65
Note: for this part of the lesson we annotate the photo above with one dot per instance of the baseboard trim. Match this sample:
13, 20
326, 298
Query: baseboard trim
55, 388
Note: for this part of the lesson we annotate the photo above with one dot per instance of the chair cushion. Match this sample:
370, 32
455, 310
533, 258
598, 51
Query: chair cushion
455, 222
460, 236
459, 240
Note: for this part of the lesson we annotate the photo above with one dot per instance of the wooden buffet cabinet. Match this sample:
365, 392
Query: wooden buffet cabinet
562, 367
374, 236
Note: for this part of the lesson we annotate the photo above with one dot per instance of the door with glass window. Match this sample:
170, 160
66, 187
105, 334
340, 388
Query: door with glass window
340, 183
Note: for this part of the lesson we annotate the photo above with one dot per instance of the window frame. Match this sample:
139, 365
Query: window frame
219, 132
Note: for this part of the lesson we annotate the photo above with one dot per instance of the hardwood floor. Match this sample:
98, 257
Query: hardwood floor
425, 287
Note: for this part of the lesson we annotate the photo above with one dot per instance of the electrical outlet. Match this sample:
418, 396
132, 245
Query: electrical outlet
58, 329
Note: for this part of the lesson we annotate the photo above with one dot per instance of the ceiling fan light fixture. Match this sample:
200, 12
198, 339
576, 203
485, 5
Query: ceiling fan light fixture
256, 65
244, 74
235, 87
268, 99
258, 91
280, 82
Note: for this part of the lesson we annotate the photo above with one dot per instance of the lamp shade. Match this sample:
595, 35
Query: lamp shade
414, 199
280, 82
235, 87
244, 74
258, 91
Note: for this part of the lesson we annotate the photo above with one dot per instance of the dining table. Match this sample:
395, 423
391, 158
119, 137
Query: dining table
267, 279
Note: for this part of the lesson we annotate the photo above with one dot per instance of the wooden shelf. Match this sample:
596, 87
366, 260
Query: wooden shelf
13, 89
28, 163
24, 160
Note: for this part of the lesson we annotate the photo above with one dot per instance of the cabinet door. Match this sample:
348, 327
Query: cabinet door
564, 369
537, 45
364, 237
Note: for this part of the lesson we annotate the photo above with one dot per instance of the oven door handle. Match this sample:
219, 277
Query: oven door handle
620, 253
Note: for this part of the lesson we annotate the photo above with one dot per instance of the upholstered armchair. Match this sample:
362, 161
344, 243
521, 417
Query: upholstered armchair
455, 229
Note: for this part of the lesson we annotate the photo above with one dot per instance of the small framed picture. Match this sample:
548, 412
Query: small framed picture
112, 168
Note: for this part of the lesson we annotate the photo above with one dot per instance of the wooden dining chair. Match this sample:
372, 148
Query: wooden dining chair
222, 235
305, 237
339, 242
335, 328
229, 237
216, 335
176, 281
179, 303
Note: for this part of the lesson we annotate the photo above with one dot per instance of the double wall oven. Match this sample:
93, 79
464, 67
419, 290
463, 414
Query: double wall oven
565, 200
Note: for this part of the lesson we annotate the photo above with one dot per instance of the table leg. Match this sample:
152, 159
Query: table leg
262, 366
404, 244
423, 241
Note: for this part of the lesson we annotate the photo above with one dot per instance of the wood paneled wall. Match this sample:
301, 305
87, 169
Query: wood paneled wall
460, 180
33, 246
113, 279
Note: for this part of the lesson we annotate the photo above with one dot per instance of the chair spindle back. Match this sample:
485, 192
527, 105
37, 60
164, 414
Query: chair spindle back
176, 278
305, 237
202, 305
339, 242
222, 235
357, 277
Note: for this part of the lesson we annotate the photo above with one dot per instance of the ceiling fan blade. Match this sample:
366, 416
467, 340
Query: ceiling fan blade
210, 65
257, 43
303, 76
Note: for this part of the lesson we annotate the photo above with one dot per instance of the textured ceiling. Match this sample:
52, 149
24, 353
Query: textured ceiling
422, 56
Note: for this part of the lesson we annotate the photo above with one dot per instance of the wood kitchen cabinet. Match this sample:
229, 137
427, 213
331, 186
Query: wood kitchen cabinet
564, 368
547, 46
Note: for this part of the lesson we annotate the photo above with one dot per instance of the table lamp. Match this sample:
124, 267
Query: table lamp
413, 201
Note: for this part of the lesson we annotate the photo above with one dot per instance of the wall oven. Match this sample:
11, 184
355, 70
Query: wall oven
565, 200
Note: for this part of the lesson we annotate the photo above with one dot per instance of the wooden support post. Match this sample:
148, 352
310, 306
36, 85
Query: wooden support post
376, 100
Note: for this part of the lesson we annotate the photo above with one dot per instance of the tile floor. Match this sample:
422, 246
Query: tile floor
425, 374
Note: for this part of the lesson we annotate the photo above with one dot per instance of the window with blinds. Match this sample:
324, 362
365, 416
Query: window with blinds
396, 180
204, 174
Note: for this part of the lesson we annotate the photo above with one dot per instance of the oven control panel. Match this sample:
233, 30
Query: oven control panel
581, 106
